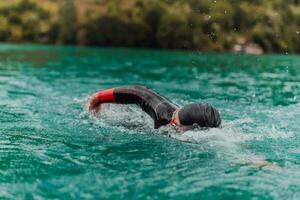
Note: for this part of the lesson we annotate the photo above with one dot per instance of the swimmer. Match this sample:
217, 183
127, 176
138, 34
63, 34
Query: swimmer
161, 110
164, 112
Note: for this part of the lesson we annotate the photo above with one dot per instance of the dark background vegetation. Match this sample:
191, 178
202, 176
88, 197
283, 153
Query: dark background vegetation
205, 25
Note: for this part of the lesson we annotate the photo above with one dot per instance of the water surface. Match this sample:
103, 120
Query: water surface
52, 148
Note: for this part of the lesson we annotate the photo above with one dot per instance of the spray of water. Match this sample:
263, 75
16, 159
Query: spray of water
228, 140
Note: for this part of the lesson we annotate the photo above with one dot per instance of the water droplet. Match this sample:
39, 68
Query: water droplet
295, 98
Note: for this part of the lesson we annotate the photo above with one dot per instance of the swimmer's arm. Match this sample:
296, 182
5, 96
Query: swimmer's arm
104, 96
120, 95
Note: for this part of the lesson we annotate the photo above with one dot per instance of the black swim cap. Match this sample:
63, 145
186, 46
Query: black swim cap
204, 115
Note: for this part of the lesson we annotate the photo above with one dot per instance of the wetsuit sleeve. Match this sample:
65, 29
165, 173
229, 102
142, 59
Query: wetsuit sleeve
159, 108
133, 94
106, 96
121, 95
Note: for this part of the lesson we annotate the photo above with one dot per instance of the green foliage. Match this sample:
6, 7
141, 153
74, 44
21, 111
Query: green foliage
111, 30
153, 12
24, 21
206, 25
68, 23
117, 27
174, 27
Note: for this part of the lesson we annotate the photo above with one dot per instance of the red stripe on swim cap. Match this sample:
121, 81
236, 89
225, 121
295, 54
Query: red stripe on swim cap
106, 96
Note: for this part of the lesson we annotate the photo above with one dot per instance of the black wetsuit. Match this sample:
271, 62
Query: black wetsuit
159, 108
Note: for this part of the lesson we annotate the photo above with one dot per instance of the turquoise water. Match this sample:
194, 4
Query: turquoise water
52, 148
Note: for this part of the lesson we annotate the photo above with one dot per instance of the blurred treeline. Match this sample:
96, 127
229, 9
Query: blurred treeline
206, 25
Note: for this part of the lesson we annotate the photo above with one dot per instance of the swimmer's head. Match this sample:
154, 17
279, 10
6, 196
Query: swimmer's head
203, 115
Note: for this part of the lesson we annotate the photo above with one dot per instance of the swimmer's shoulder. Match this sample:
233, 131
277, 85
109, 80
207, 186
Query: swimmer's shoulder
137, 86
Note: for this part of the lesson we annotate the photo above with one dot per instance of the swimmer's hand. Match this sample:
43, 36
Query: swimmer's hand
94, 104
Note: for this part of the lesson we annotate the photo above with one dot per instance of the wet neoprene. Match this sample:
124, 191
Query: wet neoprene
159, 108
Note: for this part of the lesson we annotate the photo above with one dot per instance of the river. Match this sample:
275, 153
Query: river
52, 148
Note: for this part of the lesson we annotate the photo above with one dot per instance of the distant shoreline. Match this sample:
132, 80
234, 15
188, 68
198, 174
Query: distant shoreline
10, 44
192, 25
